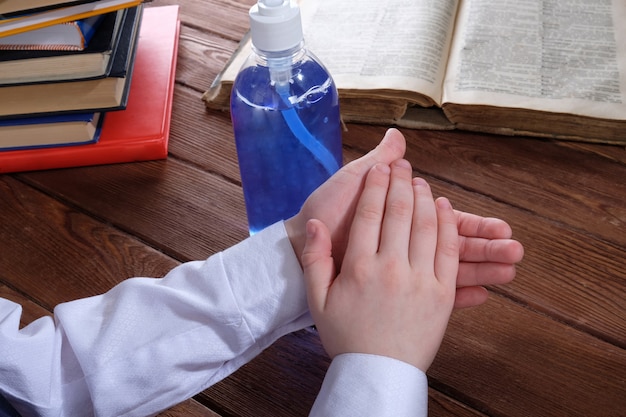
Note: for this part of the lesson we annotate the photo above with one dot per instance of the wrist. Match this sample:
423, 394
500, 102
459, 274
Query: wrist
296, 232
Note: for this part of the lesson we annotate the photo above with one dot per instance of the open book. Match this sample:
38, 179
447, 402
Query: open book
550, 68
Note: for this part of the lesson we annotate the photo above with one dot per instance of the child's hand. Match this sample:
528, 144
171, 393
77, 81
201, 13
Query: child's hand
335, 200
488, 254
396, 288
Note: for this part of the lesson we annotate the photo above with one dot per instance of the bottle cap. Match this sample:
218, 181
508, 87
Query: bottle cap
275, 25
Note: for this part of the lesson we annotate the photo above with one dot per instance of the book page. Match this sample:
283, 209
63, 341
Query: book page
563, 56
382, 44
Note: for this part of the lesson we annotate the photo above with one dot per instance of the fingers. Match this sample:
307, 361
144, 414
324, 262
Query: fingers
391, 147
476, 249
447, 256
317, 263
335, 200
424, 231
368, 218
472, 225
396, 228
470, 297
434, 237
484, 273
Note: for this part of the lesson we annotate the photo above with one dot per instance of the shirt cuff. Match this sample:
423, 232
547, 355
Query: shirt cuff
268, 284
360, 384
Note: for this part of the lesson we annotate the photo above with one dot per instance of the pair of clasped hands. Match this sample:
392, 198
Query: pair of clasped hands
385, 263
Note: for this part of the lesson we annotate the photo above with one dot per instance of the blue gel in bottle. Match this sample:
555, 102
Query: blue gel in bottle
285, 114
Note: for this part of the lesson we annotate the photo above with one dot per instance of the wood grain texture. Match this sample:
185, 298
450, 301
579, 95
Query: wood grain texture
55, 253
528, 173
189, 408
551, 343
544, 368
201, 57
227, 18
185, 212
203, 138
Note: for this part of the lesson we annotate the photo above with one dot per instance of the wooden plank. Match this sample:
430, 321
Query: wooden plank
505, 360
189, 408
613, 152
440, 405
58, 254
201, 57
576, 279
528, 173
229, 18
569, 275
202, 137
175, 207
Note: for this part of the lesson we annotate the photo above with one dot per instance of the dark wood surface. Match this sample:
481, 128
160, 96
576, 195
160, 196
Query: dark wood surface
551, 343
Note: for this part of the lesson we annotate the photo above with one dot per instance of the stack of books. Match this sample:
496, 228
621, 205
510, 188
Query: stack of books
85, 82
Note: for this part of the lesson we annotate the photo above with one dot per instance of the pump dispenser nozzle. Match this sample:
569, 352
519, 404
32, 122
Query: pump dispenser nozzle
275, 25
270, 7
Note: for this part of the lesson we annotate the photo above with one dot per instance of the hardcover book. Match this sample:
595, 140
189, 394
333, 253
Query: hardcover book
548, 68
106, 93
141, 131
10, 8
40, 132
31, 21
28, 66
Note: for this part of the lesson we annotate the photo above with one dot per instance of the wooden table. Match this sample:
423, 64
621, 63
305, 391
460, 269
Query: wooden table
552, 343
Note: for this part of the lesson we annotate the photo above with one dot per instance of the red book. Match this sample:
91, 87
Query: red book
141, 131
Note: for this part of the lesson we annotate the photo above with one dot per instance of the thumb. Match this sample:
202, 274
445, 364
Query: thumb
318, 264
391, 148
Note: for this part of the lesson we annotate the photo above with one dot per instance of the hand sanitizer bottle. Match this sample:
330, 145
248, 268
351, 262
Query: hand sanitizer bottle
285, 113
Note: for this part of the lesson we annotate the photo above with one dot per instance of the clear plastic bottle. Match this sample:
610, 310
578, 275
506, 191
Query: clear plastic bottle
285, 114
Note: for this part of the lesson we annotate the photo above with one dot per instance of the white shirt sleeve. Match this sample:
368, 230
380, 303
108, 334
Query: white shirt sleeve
358, 385
148, 344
